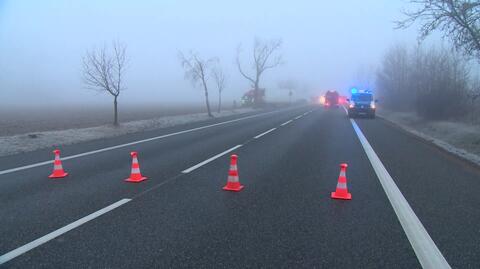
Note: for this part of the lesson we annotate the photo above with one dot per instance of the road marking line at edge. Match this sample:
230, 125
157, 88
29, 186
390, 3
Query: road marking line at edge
188, 170
264, 133
44, 239
11, 170
425, 249
285, 123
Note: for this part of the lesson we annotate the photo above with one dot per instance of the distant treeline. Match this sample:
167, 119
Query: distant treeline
436, 83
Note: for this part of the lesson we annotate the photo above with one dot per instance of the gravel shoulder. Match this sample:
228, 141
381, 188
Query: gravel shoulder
458, 138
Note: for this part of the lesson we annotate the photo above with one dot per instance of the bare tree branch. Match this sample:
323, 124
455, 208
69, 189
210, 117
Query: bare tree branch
459, 20
240, 67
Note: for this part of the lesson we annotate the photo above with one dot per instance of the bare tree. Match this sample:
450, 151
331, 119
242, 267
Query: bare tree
289, 85
197, 70
220, 81
474, 96
459, 20
263, 58
103, 71
392, 78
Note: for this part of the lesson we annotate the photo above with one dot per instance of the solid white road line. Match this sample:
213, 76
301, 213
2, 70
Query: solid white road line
298, 117
44, 239
285, 123
427, 252
186, 171
7, 171
264, 133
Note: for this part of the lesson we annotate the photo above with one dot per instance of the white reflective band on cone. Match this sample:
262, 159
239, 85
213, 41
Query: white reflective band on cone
135, 170
232, 178
341, 185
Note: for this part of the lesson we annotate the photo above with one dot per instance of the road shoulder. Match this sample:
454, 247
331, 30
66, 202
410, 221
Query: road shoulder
452, 146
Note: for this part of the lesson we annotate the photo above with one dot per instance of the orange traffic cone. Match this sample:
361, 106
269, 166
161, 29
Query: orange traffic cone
135, 175
342, 192
57, 166
233, 184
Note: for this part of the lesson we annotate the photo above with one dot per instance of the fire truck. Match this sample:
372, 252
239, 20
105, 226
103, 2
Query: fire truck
248, 99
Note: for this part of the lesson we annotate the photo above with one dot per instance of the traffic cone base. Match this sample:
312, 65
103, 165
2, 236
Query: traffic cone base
347, 196
233, 186
58, 175
135, 180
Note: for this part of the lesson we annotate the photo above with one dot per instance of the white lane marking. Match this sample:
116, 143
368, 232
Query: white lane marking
7, 171
306, 113
346, 111
298, 117
427, 252
44, 239
264, 133
186, 171
285, 123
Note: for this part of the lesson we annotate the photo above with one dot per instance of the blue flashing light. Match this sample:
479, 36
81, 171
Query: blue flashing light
354, 90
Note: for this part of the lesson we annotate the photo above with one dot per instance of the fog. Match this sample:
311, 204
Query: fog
325, 44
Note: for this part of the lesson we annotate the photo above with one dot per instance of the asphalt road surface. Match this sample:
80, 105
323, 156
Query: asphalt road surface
412, 205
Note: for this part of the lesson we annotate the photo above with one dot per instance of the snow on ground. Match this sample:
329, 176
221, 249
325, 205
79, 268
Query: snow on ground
459, 138
38, 140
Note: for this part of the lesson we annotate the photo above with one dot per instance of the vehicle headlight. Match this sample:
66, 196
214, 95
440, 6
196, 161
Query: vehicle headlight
352, 105
372, 105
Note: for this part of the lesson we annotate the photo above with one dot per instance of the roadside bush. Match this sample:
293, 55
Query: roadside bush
434, 83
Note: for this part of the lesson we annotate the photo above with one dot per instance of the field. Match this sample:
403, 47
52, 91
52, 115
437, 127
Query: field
15, 121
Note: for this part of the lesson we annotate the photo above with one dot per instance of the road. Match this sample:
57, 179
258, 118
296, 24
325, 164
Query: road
284, 217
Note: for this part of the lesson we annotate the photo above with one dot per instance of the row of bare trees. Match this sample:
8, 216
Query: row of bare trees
103, 70
436, 83
199, 71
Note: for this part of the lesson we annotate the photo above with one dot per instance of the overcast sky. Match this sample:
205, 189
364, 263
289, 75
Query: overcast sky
324, 44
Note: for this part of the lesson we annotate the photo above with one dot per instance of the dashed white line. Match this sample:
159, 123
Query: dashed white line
264, 133
285, 123
427, 252
7, 171
186, 171
298, 117
44, 239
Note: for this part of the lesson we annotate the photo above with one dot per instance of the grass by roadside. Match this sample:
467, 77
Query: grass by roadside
459, 138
